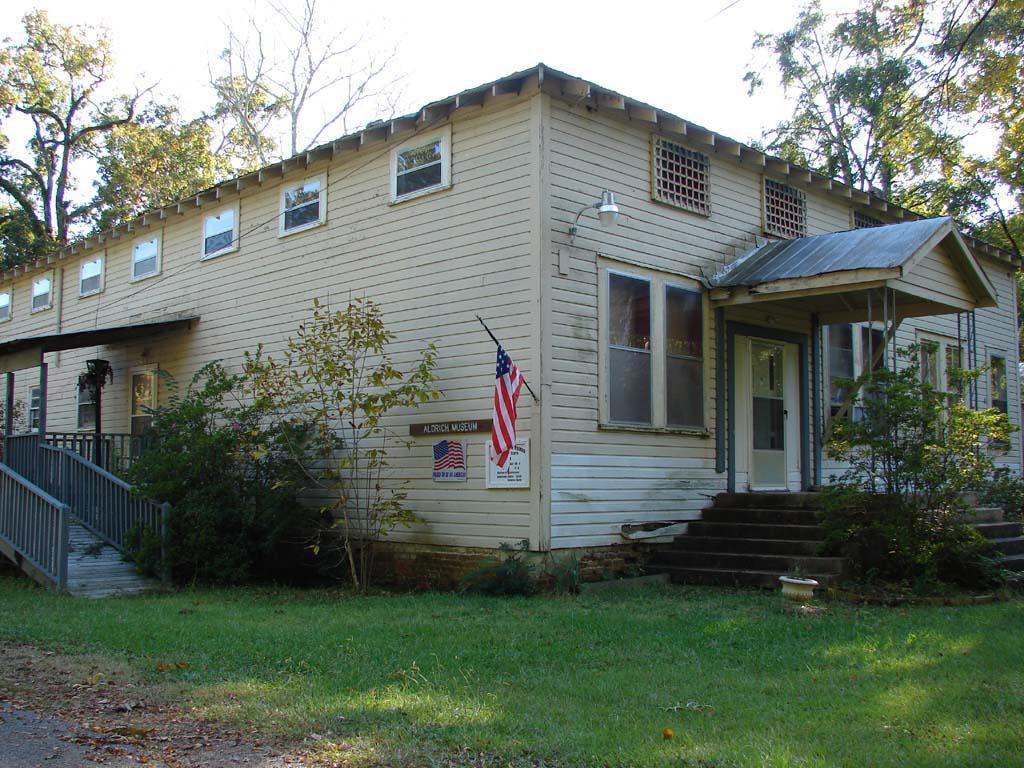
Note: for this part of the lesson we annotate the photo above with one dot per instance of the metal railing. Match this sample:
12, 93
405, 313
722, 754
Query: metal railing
97, 498
117, 450
35, 524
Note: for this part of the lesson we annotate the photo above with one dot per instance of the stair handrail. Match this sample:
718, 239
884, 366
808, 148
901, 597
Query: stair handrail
37, 537
103, 502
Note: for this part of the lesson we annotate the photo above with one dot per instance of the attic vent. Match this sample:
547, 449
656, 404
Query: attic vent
785, 210
681, 177
862, 221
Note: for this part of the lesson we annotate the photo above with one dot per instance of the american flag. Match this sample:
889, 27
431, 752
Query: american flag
507, 383
448, 454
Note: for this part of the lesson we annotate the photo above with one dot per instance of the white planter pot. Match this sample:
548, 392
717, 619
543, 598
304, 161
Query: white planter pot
796, 589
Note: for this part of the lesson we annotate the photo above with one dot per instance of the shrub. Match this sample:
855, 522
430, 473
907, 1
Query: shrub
506, 575
1004, 489
231, 486
911, 453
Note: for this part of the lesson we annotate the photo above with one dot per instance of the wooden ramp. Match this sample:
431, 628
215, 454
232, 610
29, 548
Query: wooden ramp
96, 569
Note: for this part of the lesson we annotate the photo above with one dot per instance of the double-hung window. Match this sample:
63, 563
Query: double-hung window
220, 232
851, 351
86, 409
5, 306
42, 292
303, 205
146, 258
653, 351
421, 165
90, 277
997, 383
35, 398
940, 359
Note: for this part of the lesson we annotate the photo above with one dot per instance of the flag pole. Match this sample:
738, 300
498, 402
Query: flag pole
498, 343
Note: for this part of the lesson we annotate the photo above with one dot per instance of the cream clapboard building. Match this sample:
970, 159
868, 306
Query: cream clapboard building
677, 354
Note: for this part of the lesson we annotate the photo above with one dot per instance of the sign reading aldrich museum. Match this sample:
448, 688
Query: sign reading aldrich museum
466, 427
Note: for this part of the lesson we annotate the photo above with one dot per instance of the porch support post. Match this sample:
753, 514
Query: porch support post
720, 374
816, 387
42, 401
730, 354
9, 406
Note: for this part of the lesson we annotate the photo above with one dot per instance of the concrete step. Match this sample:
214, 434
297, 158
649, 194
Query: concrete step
983, 515
795, 547
1012, 563
1009, 546
734, 578
999, 530
773, 515
803, 500
743, 561
755, 531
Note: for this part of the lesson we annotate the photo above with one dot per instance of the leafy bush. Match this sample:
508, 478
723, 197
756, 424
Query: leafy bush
912, 452
507, 575
231, 485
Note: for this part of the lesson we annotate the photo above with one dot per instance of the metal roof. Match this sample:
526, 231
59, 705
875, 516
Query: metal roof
885, 247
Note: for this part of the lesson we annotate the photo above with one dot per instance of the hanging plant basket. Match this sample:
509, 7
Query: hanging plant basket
98, 373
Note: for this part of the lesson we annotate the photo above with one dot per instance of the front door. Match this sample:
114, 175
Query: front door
767, 392
768, 466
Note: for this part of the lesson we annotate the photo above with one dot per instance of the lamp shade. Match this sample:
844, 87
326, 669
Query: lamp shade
608, 210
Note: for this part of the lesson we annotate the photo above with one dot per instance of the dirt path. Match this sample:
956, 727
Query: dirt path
61, 711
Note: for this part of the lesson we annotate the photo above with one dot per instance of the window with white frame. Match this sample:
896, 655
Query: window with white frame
35, 397
681, 176
42, 292
5, 306
997, 383
653, 370
850, 350
90, 277
146, 258
303, 205
86, 409
939, 359
785, 210
220, 232
421, 165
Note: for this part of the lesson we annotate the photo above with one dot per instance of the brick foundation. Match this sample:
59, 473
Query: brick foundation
425, 567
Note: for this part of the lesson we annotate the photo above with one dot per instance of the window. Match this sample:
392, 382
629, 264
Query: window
303, 205
840, 363
220, 232
629, 349
939, 359
997, 383
86, 409
421, 165
35, 396
929, 352
90, 277
862, 220
42, 293
680, 176
684, 358
143, 401
5, 306
146, 258
785, 210
954, 363
653, 356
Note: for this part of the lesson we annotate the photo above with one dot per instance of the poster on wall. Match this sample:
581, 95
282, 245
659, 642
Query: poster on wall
515, 473
450, 461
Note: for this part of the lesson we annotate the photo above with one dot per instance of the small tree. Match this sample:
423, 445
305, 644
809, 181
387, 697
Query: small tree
338, 380
911, 453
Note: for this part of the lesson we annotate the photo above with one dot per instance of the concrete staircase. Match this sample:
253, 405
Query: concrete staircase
750, 539
1007, 538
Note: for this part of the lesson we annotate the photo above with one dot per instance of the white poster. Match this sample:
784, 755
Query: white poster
450, 461
515, 473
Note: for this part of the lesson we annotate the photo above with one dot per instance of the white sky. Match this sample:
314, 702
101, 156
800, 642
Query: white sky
686, 56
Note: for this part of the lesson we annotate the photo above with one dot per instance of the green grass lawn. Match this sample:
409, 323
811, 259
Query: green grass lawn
592, 680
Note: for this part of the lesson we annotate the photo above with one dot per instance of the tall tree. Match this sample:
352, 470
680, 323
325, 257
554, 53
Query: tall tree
287, 77
53, 81
153, 160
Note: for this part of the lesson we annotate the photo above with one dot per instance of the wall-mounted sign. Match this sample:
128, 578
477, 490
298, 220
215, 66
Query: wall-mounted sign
515, 473
466, 427
450, 461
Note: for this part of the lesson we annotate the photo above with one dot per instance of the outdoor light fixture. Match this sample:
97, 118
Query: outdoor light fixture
607, 213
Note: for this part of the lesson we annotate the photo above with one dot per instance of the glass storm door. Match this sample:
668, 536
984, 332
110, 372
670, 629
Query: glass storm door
143, 401
768, 427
